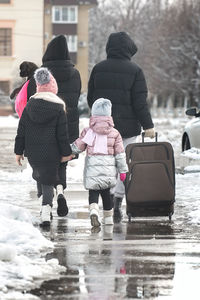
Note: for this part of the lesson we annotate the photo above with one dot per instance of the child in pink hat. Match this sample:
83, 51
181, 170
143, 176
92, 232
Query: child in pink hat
42, 137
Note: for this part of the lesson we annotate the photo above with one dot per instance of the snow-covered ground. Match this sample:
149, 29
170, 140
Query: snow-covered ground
23, 247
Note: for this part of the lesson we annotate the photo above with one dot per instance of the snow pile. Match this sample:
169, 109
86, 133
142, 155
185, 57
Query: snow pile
188, 196
24, 174
170, 130
21, 264
18, 296
193, 153
8, 122
192, 169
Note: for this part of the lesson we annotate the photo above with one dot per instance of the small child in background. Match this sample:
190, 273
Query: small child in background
42, 136
105, 158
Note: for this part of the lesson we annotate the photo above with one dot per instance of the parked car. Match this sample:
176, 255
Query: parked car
191, 135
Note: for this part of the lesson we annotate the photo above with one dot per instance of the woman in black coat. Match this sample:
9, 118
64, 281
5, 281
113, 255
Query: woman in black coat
122, 81
56, 58
42, 136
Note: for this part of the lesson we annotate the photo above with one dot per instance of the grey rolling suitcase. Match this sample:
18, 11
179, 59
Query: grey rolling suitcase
150, 181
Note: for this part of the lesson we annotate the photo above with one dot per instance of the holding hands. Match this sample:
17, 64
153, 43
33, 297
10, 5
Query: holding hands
67, 158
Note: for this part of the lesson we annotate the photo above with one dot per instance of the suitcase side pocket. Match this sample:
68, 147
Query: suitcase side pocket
147, 152
149, 182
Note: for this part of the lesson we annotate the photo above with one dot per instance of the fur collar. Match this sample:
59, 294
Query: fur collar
48, 96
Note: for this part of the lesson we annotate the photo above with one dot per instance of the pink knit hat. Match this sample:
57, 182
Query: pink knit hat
45, 81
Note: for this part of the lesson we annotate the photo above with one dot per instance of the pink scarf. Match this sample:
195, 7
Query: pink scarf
100, 145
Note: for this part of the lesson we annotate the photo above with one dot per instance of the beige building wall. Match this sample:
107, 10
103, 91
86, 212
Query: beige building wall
83, 40
26, 19
47, 24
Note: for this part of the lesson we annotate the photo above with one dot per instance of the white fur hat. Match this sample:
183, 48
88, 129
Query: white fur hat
101, 107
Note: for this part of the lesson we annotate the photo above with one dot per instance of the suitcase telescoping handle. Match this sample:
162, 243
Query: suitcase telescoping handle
156, 136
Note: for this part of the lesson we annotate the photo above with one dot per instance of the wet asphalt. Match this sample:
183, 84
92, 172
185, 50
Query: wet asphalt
149, 258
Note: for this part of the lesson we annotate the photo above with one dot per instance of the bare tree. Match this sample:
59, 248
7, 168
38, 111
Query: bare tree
177, 67
167, 36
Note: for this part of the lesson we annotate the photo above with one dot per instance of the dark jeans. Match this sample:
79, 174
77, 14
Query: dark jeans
62, 175
46, 191
107, 200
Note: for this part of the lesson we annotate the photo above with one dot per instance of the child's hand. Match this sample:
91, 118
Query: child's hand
19, 158
122, 176
67, 158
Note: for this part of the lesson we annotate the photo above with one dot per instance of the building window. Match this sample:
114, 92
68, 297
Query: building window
5, 41
5, 1
64, 14
72, 42
4, 88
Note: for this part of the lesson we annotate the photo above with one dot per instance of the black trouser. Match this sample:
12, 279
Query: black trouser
107, 200
46, 191
62, 175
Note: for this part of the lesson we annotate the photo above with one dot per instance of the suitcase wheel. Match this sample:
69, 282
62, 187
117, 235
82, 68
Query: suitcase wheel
170, 216
129, 217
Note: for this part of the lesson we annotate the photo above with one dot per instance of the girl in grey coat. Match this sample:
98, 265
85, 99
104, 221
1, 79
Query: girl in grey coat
105, 158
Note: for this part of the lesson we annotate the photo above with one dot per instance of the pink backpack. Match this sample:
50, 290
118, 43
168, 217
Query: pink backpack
21, 99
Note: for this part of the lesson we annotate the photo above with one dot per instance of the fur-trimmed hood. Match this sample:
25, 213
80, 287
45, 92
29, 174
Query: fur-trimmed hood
45, 106
48, 96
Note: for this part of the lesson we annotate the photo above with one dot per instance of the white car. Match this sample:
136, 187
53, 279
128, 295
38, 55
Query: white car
191, 135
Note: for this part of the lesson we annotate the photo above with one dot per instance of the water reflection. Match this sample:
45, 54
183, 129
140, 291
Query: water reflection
124, 261
150, 268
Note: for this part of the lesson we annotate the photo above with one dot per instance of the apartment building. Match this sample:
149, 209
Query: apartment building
26, 27
70, 17
21, 38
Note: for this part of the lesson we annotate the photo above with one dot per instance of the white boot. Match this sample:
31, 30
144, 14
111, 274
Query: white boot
46, 215
41, 206
107, 232
59, 189
108, 217
94, 215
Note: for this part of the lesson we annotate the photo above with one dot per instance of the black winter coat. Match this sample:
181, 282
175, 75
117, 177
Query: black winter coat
123, 83
42, 136
56, 59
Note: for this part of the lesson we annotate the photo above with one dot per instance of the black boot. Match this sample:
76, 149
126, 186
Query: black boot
62, 209
117, 209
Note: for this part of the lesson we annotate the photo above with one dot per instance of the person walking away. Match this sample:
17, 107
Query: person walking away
57, 59
105, 157
123, 82
42, 136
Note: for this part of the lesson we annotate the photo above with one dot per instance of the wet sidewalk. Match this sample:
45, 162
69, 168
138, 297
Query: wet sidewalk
149, 258
145, 259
